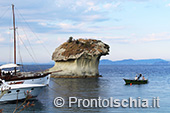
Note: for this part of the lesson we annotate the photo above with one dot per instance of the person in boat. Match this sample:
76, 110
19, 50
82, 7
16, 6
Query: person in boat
136, 77
143, 78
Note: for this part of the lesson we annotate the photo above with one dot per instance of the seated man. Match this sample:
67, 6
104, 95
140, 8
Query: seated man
143, 78
136, 78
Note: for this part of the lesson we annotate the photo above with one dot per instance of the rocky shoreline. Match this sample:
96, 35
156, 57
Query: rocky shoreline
68, 76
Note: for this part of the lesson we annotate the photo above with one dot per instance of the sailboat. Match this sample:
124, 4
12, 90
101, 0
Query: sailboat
14, 76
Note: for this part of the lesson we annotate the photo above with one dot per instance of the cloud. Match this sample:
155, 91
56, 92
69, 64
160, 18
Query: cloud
107, 6
58, 16
73, 16
157, 37
39, 42
74, 10
134, 38
2, 39
78, 28
168, 5
153, 37
3, 35
64, 27
111, 5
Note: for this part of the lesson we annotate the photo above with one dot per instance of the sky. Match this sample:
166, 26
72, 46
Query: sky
134, 29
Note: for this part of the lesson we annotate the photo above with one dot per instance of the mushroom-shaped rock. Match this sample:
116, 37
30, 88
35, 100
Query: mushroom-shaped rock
78, 58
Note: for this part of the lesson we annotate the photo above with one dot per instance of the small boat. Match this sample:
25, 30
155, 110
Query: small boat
130, 81
19, 91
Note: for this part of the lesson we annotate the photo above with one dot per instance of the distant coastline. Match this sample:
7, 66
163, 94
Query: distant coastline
32, 63
135, 62
118, 62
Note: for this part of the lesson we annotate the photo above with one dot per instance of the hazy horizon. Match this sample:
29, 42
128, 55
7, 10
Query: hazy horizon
52, 62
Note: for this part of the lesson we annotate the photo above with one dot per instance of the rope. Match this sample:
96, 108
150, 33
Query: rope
4, 13
2, 94
34, 58
28, 50
10, 45
19, 54
34, 33
54, 89
29, 42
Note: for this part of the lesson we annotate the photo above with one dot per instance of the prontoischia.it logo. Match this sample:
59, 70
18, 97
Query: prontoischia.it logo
109, 102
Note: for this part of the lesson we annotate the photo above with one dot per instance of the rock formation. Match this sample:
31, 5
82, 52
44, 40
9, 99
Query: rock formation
78, 58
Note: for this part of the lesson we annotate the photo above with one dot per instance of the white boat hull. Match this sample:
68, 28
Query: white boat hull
17, 89
18, 93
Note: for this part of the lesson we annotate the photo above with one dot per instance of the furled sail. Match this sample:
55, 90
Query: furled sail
9, 66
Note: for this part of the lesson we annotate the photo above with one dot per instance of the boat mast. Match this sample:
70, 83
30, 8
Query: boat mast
14, 36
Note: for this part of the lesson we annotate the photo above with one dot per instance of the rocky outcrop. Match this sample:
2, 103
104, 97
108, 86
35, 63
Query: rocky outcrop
78, 58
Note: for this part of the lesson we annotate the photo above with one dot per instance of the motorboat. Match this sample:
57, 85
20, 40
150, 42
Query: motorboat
19, 91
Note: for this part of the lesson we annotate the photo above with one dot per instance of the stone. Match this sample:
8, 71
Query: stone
78, 58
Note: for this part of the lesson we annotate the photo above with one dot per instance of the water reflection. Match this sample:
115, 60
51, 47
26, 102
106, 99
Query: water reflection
9, 107
79, 88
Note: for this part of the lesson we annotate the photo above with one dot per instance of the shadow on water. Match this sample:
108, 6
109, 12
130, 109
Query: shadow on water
88, 88
77, 87
65, 88
12, 105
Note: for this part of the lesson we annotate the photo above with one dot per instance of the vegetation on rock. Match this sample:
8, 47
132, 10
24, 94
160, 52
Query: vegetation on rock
73, 49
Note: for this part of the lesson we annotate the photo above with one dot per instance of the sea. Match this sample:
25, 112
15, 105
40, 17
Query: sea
111, 85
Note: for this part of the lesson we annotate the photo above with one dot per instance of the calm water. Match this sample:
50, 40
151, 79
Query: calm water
110, 85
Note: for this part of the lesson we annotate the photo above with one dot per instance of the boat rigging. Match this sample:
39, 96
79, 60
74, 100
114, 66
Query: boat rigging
41, 77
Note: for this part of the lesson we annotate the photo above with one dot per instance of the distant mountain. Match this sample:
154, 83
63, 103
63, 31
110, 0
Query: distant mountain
135, 62
106, 61
110, 62
32, 63
1, 63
